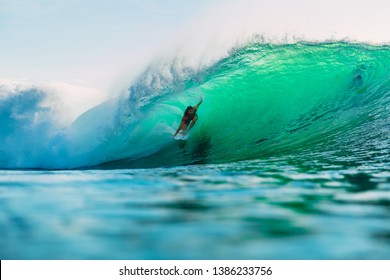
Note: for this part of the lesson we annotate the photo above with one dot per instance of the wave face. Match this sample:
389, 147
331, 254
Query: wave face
303, 100
274, 100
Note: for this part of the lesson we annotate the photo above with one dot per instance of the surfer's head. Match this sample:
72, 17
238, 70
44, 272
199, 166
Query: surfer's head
189, 111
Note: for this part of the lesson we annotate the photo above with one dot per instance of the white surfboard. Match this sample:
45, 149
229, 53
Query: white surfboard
182, 135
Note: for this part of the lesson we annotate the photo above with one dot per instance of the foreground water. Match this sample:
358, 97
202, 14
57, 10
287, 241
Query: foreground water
279, 208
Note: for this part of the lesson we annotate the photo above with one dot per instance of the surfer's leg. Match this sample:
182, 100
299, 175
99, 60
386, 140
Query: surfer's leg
183, 128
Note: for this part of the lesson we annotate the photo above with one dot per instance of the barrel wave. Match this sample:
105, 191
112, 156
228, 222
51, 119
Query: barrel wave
328, 101
262, 100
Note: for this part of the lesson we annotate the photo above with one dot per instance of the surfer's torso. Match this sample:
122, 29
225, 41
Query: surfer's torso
188, 118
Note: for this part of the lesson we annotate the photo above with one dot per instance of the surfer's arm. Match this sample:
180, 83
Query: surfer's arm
193, 121
197, 105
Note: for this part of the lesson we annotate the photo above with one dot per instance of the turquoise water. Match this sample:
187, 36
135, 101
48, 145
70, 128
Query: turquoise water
289, 160
262, 209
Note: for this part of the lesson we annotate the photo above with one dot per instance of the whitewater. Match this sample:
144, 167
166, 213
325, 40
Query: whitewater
289, 158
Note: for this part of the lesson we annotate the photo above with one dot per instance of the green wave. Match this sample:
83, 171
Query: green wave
266, 100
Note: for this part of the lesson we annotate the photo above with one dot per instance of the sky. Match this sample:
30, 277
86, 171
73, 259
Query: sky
98, 43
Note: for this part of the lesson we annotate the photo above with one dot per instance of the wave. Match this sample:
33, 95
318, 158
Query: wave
261, 100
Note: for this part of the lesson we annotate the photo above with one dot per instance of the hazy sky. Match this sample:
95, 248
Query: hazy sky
93, 43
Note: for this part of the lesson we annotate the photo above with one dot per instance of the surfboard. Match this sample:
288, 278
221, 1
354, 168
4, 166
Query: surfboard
182, 135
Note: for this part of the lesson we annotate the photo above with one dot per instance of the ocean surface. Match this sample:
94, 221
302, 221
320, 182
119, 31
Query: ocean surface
289, 160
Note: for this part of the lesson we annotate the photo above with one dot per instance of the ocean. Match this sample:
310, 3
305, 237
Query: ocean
289, 159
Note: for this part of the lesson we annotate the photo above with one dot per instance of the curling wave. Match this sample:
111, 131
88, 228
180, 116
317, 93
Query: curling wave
261, 100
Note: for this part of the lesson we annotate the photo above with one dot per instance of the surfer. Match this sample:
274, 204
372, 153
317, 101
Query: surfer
189, 119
